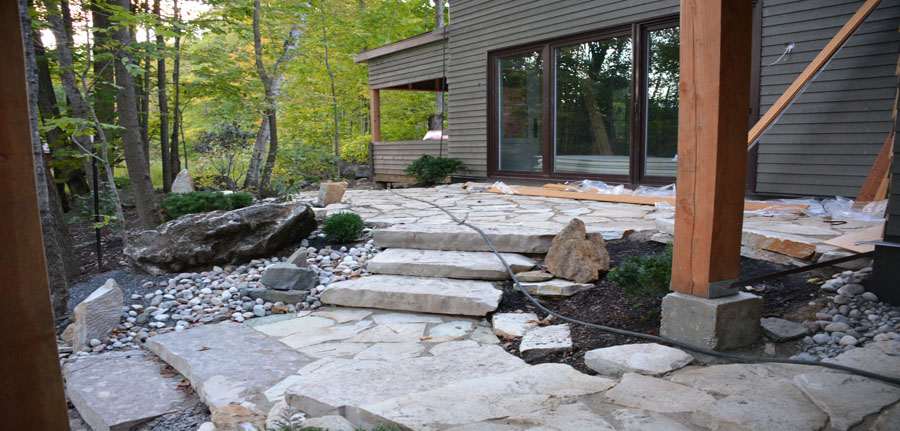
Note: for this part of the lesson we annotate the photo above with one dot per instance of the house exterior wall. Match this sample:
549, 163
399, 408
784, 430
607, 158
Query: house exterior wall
416, 64
826, 142
481, 26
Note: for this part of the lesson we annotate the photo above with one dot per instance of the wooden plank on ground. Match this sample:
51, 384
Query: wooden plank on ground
849, 240
811, 70
563, 191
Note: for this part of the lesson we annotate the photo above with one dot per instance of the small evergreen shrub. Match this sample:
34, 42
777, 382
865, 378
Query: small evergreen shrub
177, 205
428, 170
343, 227
644, 278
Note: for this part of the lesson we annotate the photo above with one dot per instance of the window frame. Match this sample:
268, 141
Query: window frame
636, 31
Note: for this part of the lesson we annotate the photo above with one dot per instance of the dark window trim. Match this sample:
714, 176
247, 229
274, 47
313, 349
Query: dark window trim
636, 30
755, 66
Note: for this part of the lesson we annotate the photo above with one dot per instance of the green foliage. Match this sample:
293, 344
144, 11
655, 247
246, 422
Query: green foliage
303, 163
644, 278
83, 209
122, 182
343, 227
428, 170
356, 150
225, 150
177, 205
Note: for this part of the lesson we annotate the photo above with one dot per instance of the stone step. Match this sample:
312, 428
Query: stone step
454, 237
102, 388
228, 362
343, 385
418, 294
542, 396
467, 265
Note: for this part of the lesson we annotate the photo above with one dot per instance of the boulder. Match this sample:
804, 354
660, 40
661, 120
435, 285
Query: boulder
183, 182
287, 276
235, 417
284, 296
220, 237
330, 193
96, 315
353, 172
648, 359
576, 255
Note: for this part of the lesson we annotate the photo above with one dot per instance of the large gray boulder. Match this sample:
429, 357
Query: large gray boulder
221, 237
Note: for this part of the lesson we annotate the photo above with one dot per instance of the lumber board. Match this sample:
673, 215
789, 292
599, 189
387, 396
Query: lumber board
877, 180
849, 241
814, 67
553, 192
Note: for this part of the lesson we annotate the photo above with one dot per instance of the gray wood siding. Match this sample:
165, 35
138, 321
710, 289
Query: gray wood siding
393, 157
826, 142
412, 65
892, 225
480, 26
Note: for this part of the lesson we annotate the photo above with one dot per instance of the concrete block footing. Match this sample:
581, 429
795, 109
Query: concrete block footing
719, 324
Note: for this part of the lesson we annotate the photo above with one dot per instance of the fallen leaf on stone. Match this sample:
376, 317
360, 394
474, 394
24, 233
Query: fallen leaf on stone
424, 338
538, 322
203, 348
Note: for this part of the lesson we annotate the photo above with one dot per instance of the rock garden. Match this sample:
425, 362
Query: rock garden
372, 310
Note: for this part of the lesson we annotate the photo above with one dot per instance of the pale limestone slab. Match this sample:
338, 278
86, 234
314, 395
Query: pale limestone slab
293, 326
391, 333
343, 315
275, 394
513, 325
323, 393
555, 288
733, 379
780, 407
847, 399
320, 335
466, 265
643, 420
333, 350
544, 340
874, 357
449, 331
511, 239
383, 318
259, 321
102, 388
417, 294
888, 420
228, 362
532, 395
649, 359
338, 365
658, 395
97, 315
484, 335
452, 346
391, 351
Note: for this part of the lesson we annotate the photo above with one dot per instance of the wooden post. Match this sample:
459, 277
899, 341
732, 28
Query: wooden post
32, 394
375, 107
712, 150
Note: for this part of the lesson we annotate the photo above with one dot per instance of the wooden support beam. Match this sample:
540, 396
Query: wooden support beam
811, 70
375, 107
32, 394
875, 187
712, 156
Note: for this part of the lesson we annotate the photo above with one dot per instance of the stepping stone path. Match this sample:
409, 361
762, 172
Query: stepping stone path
468, 265
419, 294
649, 359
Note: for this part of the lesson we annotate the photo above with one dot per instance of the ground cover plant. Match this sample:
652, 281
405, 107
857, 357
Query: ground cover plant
177, 205
644, 278
342, 227
428, 170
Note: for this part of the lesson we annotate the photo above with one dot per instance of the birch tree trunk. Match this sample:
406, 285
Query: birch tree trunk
168, 175
251, 181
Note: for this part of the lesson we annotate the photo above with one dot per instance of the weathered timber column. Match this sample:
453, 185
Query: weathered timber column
32, 396
375, 107
712, 154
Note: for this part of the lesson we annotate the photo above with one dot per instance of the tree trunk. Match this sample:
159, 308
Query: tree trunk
104, 90
437, 121
273, 150
337, 144
74, 177
175, 164
163, 105
145, 95
138, 172
251, 182
57, 242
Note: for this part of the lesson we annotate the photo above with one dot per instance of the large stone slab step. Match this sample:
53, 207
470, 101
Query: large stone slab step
228, 362
418, 294
467, 265
454, 237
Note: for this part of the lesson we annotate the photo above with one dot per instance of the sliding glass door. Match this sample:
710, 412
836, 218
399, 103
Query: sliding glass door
521, 110
661, 106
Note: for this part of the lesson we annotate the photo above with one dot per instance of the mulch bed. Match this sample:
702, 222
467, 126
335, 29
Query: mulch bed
606, 305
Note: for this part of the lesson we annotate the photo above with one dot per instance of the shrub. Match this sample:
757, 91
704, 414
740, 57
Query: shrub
356, 150
343, 227
428, 170
644, 278
177, 205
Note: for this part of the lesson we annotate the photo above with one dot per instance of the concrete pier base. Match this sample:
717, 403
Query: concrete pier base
719, 324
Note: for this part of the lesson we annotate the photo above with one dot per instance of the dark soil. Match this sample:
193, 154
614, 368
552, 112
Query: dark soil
606, 305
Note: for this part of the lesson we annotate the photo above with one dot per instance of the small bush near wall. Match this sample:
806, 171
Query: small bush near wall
177, 205
644, 277
428, 170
